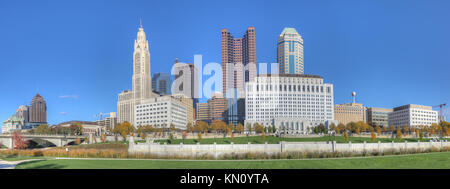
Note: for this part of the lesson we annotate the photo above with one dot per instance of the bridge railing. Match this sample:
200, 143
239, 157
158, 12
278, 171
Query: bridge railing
42, 135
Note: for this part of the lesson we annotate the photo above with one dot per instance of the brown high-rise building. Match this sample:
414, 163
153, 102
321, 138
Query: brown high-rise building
215, 109
238, 60
38, 110
218, 106
203, 113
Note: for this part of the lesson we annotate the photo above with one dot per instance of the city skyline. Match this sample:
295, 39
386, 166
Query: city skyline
95, 68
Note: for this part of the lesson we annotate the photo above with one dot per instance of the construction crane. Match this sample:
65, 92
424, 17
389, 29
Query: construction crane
441, 107
100, 115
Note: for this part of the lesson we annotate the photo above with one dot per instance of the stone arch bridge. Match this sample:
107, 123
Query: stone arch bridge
57, 140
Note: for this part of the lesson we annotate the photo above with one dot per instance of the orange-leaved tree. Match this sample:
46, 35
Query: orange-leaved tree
399, 133
19, 141
239, 128
378, 130
345, 136
263, 136
373, 136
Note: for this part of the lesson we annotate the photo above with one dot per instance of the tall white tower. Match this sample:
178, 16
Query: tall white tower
290, 52
142, 81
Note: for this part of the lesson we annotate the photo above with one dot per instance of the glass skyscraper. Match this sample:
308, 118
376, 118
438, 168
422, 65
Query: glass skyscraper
161, 83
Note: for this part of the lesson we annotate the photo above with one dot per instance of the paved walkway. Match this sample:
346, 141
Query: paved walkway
12, 164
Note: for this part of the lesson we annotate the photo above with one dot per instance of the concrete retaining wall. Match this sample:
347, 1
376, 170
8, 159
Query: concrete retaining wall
222, 149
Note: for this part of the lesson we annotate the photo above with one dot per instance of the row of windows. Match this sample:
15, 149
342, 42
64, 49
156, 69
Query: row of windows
289, 88
286, 80
152, 105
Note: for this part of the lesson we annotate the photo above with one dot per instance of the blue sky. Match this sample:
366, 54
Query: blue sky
78, 54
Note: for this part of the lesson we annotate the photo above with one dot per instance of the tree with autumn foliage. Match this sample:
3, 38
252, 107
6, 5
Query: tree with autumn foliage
378, 129
446, 131
19, 141
199, 137
78, 141
399, 133
384, 129
259, 128
42, 129
373, 136
76, 129
230, 128
104, 138
190, 128
184, 135
148, 129
172, 127
249, 128
215, 126
345, 136
143, 136
124, 129
405, 130
333, 127
239, 128
337, 130
435, 129
358, 131
340, 127
201, 126
391, 128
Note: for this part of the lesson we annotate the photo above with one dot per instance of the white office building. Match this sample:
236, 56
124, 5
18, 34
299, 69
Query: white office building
296, 102
413, 115
161, 112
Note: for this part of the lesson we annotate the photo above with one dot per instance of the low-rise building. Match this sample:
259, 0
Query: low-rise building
87, 127
109, 122
378, 116
161, 112
350, 112
413, 115
12, 124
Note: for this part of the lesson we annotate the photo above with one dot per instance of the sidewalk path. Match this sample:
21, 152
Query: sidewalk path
12, 164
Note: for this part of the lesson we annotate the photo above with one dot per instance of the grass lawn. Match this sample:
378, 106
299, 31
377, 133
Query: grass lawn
275, 140
438, 160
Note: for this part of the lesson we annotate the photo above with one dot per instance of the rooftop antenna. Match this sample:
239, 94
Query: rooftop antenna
140, 23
